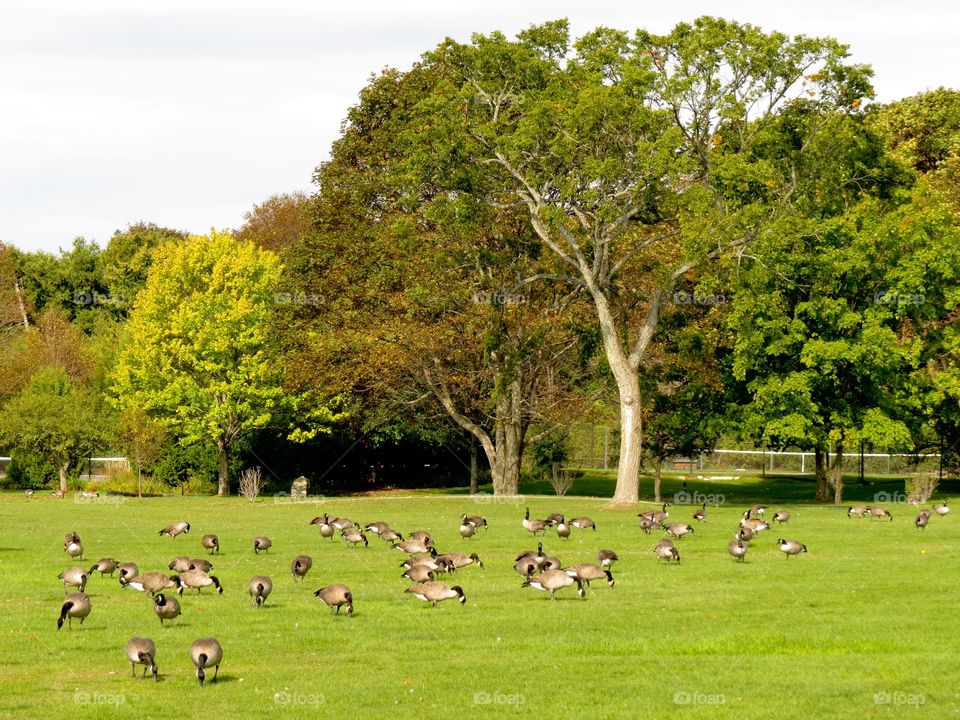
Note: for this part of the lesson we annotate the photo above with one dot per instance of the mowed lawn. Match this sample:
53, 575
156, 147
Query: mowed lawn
864, 625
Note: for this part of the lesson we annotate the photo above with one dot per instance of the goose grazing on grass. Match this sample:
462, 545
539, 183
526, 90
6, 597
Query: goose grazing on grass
206, 653
413, 547
166, 608
200, 564
460, 560
104, 566
75, 605
467, 530
260, 588
588, 572
376, 527
738, 549
28, 493
353, 536
583, 523
678, 530
73, 577
421, 536
923, 517
553, 519
210, 543
154, 582
879, 512
176, 529
336, 596
781, 516
563, 530
391, 536
142, 651
128, 570
433, 563
755, 524
536, 556
647, 524
665, 550
607, 558
341, 523
533, 526
300, 566
758, 509
179, 564
326, 528
745, 534
552, 580
858, 511
434, 592
70, 537
261, 543
791, 547
551, 563
526, 567
74, 550
941, 508
701, 514
475, 520
59, 494
418, 574
197, 580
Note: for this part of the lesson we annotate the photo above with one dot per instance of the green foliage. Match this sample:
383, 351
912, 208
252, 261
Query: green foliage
549, 451
922, 131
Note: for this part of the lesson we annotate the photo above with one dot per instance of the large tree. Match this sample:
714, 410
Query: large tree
632, 158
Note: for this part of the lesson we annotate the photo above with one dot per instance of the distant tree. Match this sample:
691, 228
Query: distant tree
142, 440
125, 262
278, 222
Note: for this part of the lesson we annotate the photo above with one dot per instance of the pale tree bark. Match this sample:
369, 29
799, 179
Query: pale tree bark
63, 469
223, 475
836, 474
820, 456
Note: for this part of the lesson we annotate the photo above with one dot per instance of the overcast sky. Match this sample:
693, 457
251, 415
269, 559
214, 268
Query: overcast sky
187, 113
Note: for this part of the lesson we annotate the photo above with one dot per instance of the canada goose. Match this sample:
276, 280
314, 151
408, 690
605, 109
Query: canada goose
301, 566
941, 508
179, 564
588, 572
701, 514
758, 509
551, 563
535, 555
70, 537
658, 515
376, 527
104, 566
176, 529
341, 523
738, 549
475, 520
553, 580
533, 526
205, 653
781, 516
326, 529
791, 547
59, 494
553, 518
665, 550
142, 651
647, 524
858, 511
335, 596
921, 522
678, 529
154, 582
436, 564
353, 536
434, 592
200, 564
28, 493
418, 574
75, 605
582, 523
607, 558
260, 588
320, 520
412, 547
210, 543
127, 570
391, 536
467, 530
526, 567
166, 608
261, 543
74, 577
197, 579
563, 530
460, 560
879, 512
745, 534
421, 536
74, 550
754, 524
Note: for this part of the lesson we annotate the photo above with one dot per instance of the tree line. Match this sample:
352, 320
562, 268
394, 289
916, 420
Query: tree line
712, 231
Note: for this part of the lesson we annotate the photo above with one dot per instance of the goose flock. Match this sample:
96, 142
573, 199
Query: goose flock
422, 566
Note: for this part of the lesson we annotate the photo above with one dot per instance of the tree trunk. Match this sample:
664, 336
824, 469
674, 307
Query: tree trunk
631, 437
836, 475
474, 466
656, 480
64, 467
820, 472
139, 483
223, 484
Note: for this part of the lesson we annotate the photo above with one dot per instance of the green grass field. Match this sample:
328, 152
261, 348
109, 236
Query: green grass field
864, 625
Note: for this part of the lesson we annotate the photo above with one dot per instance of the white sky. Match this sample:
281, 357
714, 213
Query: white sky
187, 113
